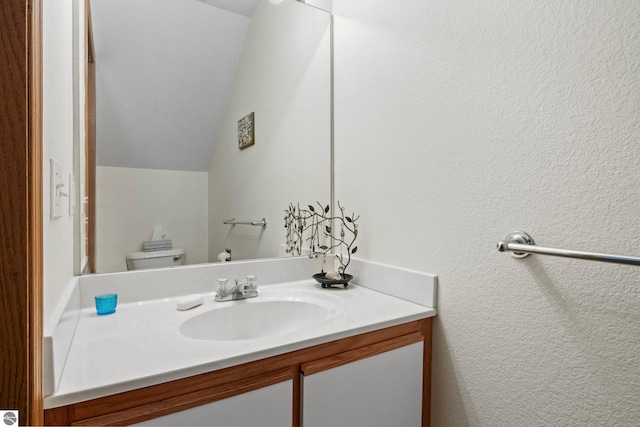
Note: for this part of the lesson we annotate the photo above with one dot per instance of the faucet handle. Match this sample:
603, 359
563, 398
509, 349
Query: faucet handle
221, 287
252, 283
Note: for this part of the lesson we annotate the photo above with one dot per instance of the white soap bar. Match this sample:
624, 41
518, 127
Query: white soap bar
190, 301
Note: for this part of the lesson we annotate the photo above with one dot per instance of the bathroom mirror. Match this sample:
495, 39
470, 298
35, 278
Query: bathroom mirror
173, 80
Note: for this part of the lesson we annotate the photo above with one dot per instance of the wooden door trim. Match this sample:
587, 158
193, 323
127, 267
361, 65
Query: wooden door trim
35, 287
21, 213
90, 137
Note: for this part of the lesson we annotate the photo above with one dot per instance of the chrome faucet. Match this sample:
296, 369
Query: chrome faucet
238, 291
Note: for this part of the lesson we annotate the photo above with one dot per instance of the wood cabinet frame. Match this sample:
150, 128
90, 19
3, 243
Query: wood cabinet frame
174, 396
21, 212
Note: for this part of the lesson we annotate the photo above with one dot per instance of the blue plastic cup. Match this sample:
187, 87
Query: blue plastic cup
106, 303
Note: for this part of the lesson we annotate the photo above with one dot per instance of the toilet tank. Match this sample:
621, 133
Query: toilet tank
154, 259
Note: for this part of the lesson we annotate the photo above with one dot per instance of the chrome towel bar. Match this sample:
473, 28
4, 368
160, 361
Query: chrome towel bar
522, 244
233, 221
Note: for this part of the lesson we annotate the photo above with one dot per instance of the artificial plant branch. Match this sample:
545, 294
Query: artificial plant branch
319, 218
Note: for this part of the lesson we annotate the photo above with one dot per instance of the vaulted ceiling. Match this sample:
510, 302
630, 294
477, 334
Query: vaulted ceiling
164, 71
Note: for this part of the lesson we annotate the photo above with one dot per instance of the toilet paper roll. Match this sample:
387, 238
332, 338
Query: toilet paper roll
223, 256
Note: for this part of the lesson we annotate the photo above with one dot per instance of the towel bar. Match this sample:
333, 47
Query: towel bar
233, 221
522, 244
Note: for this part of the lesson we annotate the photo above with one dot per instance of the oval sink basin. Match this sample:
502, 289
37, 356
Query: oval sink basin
270, 313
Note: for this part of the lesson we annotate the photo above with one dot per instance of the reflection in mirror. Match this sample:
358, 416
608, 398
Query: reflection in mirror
173, 80
81, 49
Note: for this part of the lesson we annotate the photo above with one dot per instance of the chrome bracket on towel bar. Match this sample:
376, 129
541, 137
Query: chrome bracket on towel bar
233, 221
522, 244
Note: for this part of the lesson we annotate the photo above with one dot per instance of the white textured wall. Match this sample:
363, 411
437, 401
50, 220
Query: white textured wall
284, 77
458, 122
80, 256
57, 144
131, 202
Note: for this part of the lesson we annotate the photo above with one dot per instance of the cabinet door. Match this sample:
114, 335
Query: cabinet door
267, 406
381, 390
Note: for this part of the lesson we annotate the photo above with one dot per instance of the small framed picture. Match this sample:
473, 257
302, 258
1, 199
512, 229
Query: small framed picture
245, 131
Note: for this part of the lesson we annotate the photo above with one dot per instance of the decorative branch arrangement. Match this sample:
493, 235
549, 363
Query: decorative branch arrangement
295, 225
318, 225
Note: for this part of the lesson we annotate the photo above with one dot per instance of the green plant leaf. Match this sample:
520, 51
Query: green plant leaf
324, 248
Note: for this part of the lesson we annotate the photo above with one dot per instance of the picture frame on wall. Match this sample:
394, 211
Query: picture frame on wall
246, 137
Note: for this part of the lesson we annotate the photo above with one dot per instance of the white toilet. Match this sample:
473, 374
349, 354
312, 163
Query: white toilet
154, 259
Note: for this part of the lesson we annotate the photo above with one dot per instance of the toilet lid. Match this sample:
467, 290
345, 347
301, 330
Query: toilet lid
155, 254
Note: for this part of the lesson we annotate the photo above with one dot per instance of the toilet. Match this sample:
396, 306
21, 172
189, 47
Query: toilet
154, 259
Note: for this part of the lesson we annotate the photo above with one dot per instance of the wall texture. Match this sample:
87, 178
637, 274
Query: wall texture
131, 202
459, 122
283, 76
57, 112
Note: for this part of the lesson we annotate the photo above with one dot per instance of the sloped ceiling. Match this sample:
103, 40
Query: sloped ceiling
164, 71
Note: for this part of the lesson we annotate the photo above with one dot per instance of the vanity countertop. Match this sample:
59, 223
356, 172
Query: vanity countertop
141, 345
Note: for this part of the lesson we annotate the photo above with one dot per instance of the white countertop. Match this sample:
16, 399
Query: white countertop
140, 345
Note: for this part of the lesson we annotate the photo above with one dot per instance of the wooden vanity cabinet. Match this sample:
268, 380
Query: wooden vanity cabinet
376, 376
